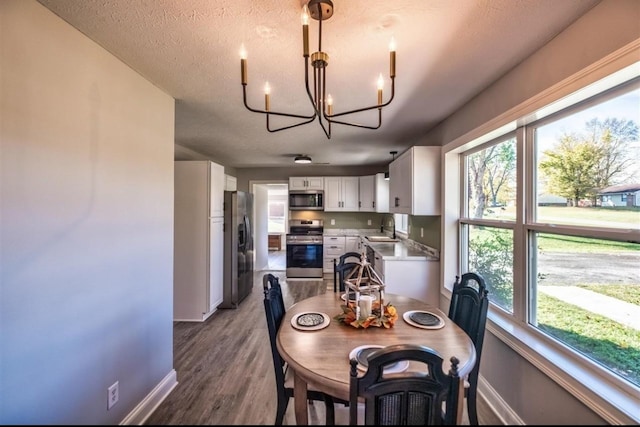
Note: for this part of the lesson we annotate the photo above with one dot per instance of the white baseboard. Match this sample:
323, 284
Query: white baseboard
145, 408
497, 404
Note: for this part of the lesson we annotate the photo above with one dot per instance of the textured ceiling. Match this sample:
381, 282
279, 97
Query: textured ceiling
447, 52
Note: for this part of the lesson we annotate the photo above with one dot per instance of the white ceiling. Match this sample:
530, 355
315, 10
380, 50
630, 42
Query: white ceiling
447, 52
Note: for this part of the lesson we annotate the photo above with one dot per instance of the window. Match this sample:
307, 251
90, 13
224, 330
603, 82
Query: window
402, 223
543, 219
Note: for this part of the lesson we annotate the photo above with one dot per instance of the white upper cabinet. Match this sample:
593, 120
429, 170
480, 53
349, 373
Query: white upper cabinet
306, 183
374, 193
367, 193
381, 193
231, 183
217, 185
414, 182
341, 193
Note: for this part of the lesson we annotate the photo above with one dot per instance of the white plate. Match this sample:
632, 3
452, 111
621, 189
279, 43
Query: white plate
324, 324
393, 369
344, 297
407, 318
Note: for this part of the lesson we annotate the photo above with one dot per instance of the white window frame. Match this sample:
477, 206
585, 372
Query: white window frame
606, 394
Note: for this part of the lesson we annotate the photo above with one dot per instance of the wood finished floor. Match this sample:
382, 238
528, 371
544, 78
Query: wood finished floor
224, 366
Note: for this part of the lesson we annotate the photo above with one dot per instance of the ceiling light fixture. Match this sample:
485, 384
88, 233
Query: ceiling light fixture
321, 101
386, 174
302, 159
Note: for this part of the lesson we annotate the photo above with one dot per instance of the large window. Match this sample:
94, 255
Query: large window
550, 216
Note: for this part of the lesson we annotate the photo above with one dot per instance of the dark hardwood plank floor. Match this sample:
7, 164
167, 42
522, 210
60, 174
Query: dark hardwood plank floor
225, 371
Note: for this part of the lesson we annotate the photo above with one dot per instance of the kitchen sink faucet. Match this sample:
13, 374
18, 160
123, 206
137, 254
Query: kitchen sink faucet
393, 218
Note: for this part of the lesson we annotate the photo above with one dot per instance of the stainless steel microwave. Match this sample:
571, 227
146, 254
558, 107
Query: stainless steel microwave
306, 200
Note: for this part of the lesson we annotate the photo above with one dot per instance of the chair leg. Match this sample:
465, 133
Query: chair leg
330, 416
283, 402
471, 407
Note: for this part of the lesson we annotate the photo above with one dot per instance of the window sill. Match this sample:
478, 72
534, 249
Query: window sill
612, 399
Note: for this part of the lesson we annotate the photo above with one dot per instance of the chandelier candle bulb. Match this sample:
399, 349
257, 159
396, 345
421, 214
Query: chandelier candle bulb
380, 87
267, 91
243, 65
329, 105
392, 58
305, 31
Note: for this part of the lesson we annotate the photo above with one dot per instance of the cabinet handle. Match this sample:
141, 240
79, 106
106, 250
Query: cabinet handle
397, 202
359, 204
373, 204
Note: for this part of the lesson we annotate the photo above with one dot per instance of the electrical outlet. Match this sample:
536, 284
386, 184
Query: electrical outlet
421, 232
333, 221
113, 394
368, 222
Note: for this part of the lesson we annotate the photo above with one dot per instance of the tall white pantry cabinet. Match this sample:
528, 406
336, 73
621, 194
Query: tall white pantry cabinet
198, 239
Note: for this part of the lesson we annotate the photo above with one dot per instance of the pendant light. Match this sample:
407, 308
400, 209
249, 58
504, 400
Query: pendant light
386, 174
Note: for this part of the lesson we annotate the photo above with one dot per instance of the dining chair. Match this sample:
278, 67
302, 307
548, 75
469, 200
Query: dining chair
346, 263
426, 396
468, 309
275, 311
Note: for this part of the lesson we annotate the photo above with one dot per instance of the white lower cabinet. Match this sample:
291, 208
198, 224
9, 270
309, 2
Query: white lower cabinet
333, 247
352, 244
411, 278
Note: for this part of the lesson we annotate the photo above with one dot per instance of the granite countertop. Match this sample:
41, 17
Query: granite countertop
404, 250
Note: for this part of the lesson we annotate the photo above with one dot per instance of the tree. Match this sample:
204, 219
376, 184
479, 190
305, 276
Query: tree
581, 164
614, 137
489, 171
571, 168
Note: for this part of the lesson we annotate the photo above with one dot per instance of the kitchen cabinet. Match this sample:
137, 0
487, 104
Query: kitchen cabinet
412, 278
198, 239
341, 193
230, 183
352, 244
306, 183
215, 193
414, 182
374, 194
332, 247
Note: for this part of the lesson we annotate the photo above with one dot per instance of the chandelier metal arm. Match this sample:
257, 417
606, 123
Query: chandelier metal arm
275, 113
359, 110
359, 125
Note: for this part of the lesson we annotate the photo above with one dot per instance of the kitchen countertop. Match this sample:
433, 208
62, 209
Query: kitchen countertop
404, 250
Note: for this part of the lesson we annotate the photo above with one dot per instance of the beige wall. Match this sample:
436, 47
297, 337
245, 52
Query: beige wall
86, 225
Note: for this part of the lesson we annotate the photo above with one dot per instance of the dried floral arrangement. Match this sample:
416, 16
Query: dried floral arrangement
386, 320
364, 281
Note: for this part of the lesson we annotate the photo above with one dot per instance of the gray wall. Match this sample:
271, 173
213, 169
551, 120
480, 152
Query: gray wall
86, 225
609, 26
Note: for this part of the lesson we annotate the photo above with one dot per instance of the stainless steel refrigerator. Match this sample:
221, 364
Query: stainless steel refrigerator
238, 247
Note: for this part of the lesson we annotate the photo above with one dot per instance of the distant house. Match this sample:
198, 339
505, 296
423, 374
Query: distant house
620, 195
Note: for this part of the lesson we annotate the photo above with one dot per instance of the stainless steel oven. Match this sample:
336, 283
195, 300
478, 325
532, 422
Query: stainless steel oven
304, 249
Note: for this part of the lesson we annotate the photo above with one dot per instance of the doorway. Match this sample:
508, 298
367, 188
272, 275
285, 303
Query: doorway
271, 224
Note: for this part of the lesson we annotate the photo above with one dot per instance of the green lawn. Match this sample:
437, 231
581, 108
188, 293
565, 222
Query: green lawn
613, 345
618, 217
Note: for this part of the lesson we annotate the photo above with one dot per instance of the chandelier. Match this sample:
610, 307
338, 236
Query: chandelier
321, 101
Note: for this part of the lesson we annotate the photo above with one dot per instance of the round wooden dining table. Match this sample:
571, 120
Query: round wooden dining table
319, 358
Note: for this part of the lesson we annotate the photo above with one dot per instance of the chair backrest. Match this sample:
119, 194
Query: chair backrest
346, 263
274, 310
468, 309
408, 398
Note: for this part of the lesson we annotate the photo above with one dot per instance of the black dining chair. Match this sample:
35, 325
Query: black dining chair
275, 311
468, 309
426, 396
341, 269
